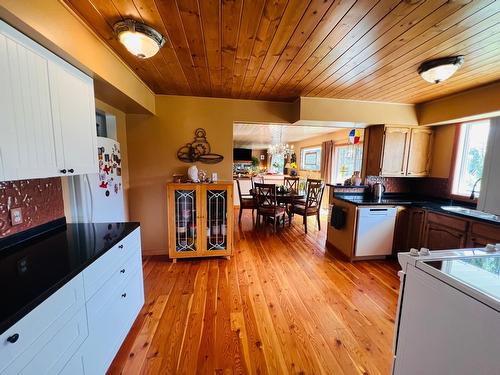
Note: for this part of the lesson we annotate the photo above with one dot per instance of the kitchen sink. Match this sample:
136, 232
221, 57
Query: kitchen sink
471, 212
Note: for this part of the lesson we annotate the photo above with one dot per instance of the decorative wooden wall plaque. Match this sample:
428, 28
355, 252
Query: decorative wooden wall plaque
198, 150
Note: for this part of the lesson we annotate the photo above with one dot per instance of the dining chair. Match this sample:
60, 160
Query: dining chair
247, 201
267, 204
312, 204
308, 180
256, 179
316, 180
292, 184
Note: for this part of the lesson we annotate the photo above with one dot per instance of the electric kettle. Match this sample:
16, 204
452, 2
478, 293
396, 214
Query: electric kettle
378, 190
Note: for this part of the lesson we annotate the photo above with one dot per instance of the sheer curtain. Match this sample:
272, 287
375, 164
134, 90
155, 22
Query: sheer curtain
326, 161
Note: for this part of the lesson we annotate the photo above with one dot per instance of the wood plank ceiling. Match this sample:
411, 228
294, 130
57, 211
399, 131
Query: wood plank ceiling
282, 49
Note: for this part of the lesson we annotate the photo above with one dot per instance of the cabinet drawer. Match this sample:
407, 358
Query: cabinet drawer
42, 324
490, 232
52, 356
103, 268
109, 328
98, 302
452, 222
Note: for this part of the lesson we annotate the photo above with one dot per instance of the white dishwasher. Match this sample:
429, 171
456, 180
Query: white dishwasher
375, 231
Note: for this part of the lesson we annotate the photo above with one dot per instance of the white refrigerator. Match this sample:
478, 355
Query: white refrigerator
98, 198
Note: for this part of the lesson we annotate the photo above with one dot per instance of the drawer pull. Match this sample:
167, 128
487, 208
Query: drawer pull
122, 270
120, 246
12, 339
71, 170
63, 171
124, 295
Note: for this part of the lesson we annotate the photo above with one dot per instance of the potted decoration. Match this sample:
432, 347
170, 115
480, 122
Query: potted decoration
293, 169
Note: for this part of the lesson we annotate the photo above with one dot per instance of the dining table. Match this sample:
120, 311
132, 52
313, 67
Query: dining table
285, 198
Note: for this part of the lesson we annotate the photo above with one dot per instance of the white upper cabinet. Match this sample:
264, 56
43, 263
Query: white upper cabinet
48, 112
73, 115
27, 141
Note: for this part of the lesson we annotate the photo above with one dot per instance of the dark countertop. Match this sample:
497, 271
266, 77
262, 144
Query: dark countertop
347, 186
431, 204
35, 267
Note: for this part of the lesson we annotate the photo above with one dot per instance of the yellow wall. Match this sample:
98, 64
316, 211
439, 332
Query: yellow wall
481, 102
153, 142
356, 111
53, 25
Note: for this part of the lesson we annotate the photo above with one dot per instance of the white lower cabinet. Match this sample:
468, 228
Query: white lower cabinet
35, 331
110, 326
72, 333
53, 356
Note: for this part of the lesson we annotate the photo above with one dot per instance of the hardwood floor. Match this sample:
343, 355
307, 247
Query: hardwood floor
280, 305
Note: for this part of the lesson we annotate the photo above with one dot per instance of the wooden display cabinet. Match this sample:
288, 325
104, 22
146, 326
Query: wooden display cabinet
200, 220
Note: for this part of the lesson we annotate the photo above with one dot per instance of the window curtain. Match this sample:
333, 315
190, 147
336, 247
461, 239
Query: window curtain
326, 161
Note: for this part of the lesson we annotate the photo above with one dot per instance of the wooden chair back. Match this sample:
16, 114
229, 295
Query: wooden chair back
308, 180
239, 189
314, 193
266, 195
292, 184
256, 179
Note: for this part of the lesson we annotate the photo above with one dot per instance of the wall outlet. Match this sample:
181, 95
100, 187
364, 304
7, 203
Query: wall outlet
16, 216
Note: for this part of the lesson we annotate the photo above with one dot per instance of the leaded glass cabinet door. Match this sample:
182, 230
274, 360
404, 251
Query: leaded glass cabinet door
184, 220
218, 219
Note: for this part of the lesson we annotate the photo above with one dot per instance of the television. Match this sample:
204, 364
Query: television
242, 154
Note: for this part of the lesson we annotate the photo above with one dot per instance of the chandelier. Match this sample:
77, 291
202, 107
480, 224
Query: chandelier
281, 148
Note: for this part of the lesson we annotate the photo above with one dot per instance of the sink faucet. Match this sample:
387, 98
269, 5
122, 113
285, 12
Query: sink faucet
473, 194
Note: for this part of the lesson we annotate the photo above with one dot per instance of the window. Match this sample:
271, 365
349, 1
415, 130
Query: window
277, 163
347, 160
469, 162
310, 158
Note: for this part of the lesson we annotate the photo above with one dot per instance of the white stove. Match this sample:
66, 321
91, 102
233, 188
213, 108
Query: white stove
448, 319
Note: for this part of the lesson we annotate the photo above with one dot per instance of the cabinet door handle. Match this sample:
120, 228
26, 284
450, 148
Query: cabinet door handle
12, 339
71, 170
63, 171
120, 246
124, 295
122, 270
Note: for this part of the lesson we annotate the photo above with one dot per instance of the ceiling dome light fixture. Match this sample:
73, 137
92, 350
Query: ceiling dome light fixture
435, 71
140, 40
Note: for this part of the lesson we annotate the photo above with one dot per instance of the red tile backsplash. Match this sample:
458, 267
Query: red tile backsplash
392, 184
428, 186
40, 200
